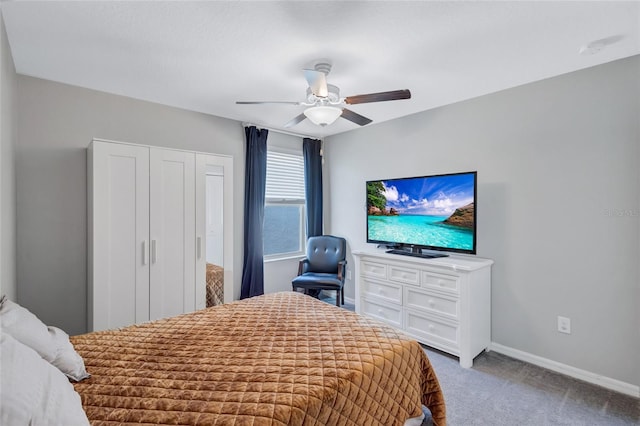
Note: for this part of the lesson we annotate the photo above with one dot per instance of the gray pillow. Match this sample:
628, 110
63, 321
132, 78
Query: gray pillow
34, 392
50, 343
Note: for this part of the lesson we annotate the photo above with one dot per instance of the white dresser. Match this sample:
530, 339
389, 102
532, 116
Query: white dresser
442, 302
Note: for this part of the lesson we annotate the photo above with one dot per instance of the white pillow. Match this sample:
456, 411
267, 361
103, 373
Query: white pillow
50, 342
33, 391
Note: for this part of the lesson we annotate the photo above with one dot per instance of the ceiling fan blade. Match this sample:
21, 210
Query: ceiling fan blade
355, 117
393, 95
266, 102
317, 82
295, 120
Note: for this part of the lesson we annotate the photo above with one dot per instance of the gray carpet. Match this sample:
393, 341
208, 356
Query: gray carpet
499, 390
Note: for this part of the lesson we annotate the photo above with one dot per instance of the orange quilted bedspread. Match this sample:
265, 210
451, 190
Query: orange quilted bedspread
278, 359
215, 285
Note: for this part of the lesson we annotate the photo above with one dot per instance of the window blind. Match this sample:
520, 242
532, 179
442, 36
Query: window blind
285, 177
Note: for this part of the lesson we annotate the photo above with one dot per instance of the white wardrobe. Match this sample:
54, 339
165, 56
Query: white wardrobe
147, 236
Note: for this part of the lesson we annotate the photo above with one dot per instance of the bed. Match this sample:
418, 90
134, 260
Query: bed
277, 359
215, 285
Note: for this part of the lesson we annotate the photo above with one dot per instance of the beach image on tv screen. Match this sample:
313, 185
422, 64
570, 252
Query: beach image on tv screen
435, 211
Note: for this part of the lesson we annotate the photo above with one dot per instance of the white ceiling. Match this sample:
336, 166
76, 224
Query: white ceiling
204, 56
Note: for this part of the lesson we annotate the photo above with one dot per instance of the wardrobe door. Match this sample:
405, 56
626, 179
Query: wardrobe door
118, 235
214, 228
172, 233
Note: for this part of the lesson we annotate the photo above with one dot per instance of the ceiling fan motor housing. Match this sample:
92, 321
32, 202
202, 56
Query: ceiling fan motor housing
333, 96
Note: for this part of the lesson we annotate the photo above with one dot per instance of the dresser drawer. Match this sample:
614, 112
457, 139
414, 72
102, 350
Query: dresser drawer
420, 299
383, 289
404, 275
391, 314
429, 330
374, 269
439, 281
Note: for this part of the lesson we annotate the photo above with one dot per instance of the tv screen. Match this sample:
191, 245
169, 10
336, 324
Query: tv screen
428, 212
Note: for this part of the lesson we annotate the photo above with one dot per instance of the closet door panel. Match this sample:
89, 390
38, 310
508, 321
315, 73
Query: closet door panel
214, 222
119, 231
201, 261
172, 233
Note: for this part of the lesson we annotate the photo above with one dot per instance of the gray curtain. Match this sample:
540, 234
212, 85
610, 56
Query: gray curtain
311, 149
254, 193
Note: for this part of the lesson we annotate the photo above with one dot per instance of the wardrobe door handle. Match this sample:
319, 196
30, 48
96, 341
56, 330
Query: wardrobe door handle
154, 250
144, 252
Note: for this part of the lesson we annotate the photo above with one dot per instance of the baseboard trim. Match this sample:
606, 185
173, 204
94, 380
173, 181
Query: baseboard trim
576, 373
349, 300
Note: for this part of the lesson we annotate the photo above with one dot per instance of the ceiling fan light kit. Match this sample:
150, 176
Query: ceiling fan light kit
322, 115
326, 105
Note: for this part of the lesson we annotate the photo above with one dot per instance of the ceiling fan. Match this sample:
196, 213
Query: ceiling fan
324, 102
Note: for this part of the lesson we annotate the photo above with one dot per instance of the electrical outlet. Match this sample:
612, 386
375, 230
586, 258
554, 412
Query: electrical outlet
564, 325
348, 273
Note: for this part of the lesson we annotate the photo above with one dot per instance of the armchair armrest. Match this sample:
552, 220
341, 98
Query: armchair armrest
342, 266
303, 265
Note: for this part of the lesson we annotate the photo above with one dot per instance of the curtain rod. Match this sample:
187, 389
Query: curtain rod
246, 124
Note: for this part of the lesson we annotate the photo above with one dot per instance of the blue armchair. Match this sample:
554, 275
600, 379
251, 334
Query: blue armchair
324, 267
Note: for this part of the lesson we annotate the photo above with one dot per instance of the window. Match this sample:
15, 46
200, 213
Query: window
284, 211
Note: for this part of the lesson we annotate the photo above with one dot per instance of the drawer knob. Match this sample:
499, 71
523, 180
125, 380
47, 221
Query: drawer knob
440, 283
380, 312
431, 302
381, 291
432, 327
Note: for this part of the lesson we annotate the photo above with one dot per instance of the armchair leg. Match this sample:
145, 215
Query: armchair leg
342, 293
338, 298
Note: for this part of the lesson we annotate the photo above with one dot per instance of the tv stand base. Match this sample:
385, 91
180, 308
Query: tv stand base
417, 253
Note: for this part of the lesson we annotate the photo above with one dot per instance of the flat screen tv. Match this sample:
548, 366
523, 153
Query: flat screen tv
435, 212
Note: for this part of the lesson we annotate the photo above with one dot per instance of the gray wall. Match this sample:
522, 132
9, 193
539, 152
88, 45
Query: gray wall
558, 166
8, 131
56, 124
